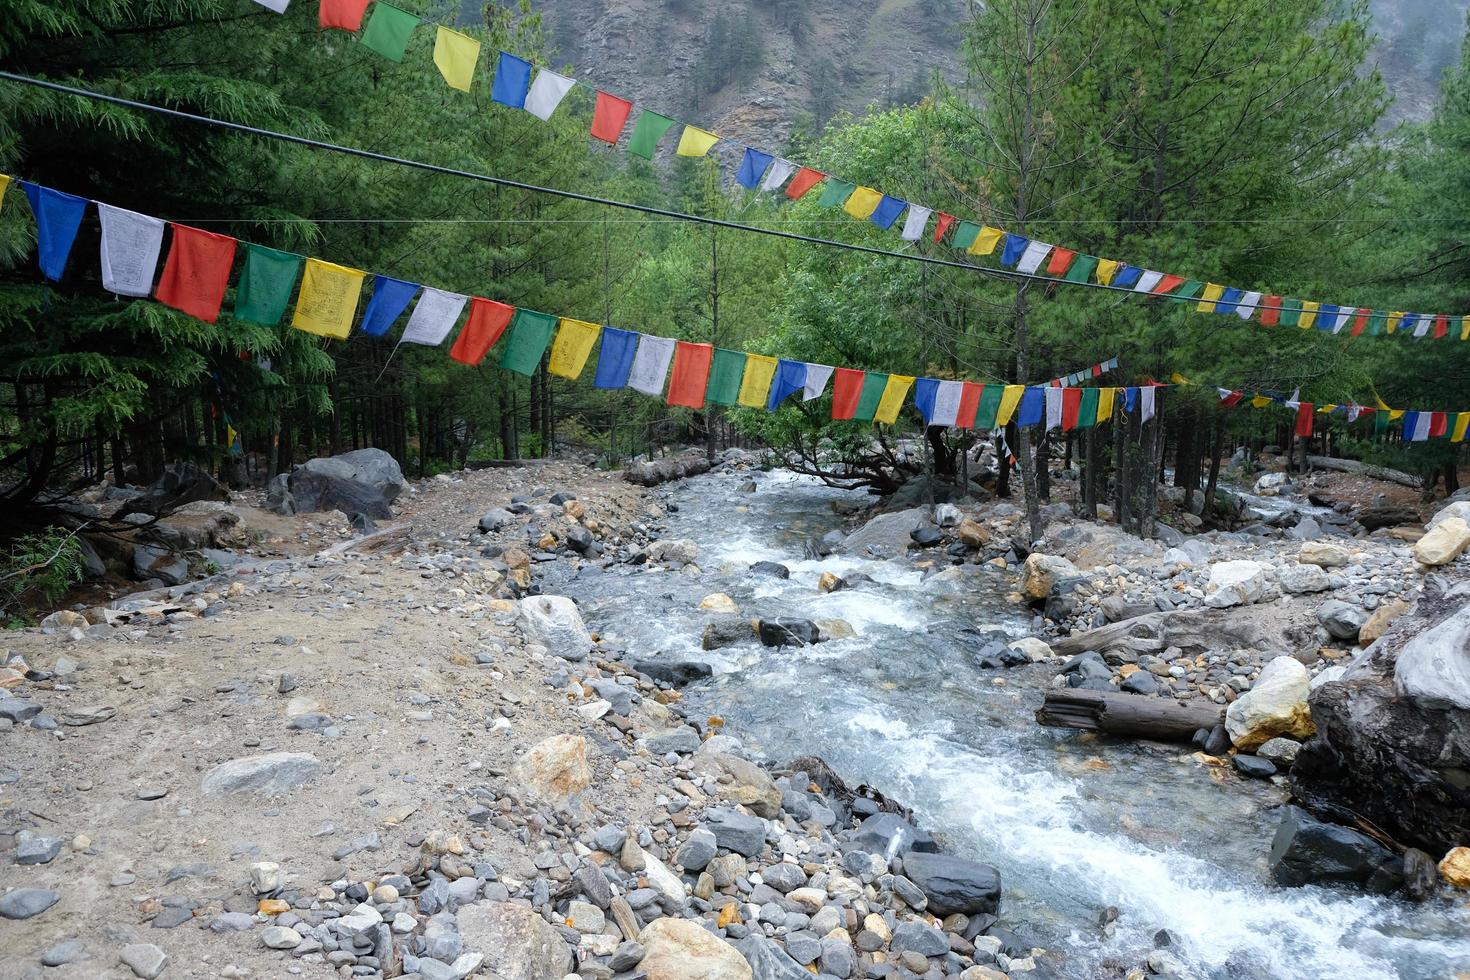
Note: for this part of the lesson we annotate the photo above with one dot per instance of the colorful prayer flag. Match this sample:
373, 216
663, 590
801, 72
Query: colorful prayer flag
970, 392
130, 246
691, 374
913, 225
609, 118
4, 186
647, 131
1147, 281
343, 15
780, 171
988, 407
862, 202
266, 283
1031, 257
196, 272
327, 300
759, 369
390, 298
487, 321
887, 212
1167, 284
512, 82
1248, 305
1106, 269
966, 237
817, 376
1308, 314
1010, 398
726, 373
847, 389
1270, 311
1127, 276
941, 226
388, 31
1071, 406
835, 193
1081, 268
790, 377
1304, 420
455, 55
530, 334
894, 393
806, 178
1210, 297
546, 93
1087, 411
752, 165
695, 142
944, 403
615, 358
1014, 248
58, 216
574, 341
1105, 401
278, 6
434, 315
874, 384
1060, 261
1462, 422
651, 364
1033, 407
1228, 300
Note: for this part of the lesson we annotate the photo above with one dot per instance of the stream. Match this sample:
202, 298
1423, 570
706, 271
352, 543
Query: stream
1075, 825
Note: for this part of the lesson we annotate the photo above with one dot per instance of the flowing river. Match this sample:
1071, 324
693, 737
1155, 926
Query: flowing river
1074, 824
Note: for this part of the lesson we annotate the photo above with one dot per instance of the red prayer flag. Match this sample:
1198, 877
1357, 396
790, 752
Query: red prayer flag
969, 404
345, 15
1071, 404
806, 178
1061, 259
945, 220
610, 116
847, 388
1360, 322
488, 320
1231, 398
1097, 370
1168, 284
690, 374
196, 272
1438, 424
1271, 311
1304, 420
1441, 326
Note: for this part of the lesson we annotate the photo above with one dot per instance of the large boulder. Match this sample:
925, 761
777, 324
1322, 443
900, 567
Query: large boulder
1444, 543
554, 769
1041, 573
516, 942
886, 535
363, 481
680, 949
1455, 509
953, 884
1306, 851
1434, 667
181, 483
1275, 705
554, 622
1238, 583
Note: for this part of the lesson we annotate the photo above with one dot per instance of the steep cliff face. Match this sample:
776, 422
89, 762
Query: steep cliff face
761, 69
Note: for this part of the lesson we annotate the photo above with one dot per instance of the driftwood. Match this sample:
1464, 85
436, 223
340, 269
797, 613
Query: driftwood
1120, 713
394, 536
1187, 629
1365, 469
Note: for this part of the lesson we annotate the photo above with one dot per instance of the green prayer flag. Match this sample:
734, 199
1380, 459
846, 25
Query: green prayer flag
725, 373
1291, 312
530, 333
265, 284
646, 134
1081, 269
1380, 421
867, 406
1376, 323
835, 193
1087, 412
989, 404
1188, 290
964, 236
387, 30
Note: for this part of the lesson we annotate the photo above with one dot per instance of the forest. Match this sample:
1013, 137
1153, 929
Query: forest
1236, 142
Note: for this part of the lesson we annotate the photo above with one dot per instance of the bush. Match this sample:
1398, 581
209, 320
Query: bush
40, 567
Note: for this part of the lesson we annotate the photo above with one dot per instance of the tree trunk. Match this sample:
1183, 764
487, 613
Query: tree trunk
1121, 713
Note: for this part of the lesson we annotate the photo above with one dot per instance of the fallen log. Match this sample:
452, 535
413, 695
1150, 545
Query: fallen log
1189, 629
393, 536
1373, 518
1357, 468
1121, 713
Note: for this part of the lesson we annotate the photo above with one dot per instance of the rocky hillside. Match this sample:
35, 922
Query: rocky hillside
761, 69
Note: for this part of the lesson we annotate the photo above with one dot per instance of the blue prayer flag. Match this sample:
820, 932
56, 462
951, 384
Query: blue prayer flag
1229, 300
1411, 420
753, 167
58, 216
390, 298
1033, 406
1014, 247
790, 378
887, 212
1327, 316
925, 390
615, 359
1130, 399
512, 81
1127, 277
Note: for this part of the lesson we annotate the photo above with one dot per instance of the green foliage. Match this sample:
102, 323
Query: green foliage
38, 569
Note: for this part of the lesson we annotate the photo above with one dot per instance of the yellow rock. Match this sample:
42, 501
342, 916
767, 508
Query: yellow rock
273, 906
574, 509
973, 534
515, 558
829, 582
1455, 868
874, 923
730, 913
718, 602
1381, 620
835, 629
1442, 545
503, 605
547, 541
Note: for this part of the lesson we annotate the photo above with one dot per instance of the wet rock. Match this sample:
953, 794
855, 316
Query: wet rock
365, 481
1341, 620
146, 960
953, 884
1306, 851
834, 629
1040, 574
678, 949
925, 536
1238, 583
787, 632
1254, 767
828, 582
771, 568
719, 602
1275, 705
271, 773
674, 551
675, 672
26, 903
736, 831
1281, 751
554, 769
1421, 877
888, 835
972, 534
886, 535
1444, 543
516, 942
554, 622
726, 631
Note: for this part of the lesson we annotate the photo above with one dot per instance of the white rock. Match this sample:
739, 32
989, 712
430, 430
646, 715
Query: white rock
662, 879
1298, 579
1275, 705
280, 937
1238, 583
1323, 554
947, 515
1434, 667
554, 622
555, 768
1455, 509
1035, 650
678, 949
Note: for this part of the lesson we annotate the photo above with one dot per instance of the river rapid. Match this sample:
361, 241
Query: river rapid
1075, 824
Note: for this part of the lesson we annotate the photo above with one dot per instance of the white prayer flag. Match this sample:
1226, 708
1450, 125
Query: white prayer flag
651, 364
1421, 329
947, 402
1421, 426
1148, 281
1354, 411
1053, 408
1031, 258
433, 317
130, 245
279, 6
1246, 308
913, 225
1341, 320
778, 174
1147, 394
817, 376
546, 93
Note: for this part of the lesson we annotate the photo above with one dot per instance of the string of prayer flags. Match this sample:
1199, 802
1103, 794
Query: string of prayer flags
434, 315
817, 376
609, 117
725, 376
806, 178
546, 93
651, 364
342, 15
455, 55
862, 202
573, 344
197, 272
790, 378
690, 377
487, 321
266, 283
512, 80
327, 300
887, 212
530, 334
58, 216
390, 298
756, 383
913, 225
130, 246
615, 358
779, 173
388, 31
695, 142
894, 393
647, 131
752, 165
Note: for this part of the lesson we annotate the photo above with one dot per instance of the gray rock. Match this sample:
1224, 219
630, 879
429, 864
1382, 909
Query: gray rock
554, 622
594, 885
272, 772
918, 938
231, 922
17, 710
888, 835
953, 884
496, 519
697, 851
682, 740
26, 903
280, 937
837, 958
1254, 767
516, 942
625, 957
1433, 668
63, 953
1281, 751
32, 849
1306, 851
144, 959
620, 696
365, 481
787, 632
774, 569
151, 561
886, 535
736, 831
609, 838
1299, 579
1342, 620
802, 947
784, 877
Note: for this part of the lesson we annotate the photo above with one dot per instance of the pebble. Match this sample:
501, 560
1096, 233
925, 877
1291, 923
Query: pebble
146, 960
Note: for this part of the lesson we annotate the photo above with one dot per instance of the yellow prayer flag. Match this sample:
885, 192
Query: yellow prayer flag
1309, 314
1260, 401
1394, 414
1106, 269
574, 340
755, 385
5, 186
985, 242
1009, 399
1325, 409
1461, 422
892, 401
1393, 320
695, 142
1207, 298
862, 203
1179, 379
1464, 320
327, 300
455, 55
1105, 398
